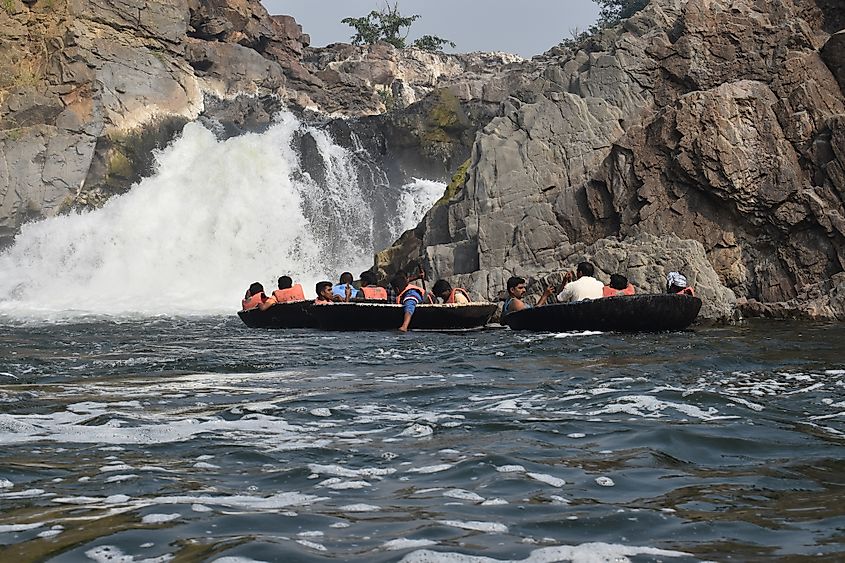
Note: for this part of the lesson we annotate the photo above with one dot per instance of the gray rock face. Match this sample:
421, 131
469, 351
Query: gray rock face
715, 121
112, 74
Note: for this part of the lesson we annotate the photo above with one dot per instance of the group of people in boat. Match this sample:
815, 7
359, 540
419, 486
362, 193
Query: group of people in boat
401, 290
581, 285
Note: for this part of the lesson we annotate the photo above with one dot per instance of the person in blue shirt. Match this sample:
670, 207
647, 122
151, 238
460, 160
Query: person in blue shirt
516, 291
409, 296
340, 289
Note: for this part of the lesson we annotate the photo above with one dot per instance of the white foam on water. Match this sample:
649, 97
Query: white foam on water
338, 484
159, 518
595, 552
474, 525
10, 528
312, 545
605, 481
431, 468
52, 532
216, 216
6, 484
339, 471
237, 559
463, 494
547, 479
650, 407
113, 554
403, 543
360, 507
510, 469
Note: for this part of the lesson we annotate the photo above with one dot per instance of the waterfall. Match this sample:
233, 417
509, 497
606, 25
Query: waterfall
216, 216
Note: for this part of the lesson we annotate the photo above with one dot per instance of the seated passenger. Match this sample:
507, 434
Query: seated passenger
369, 288
676, 282
444, 291
324, 294
409, 296
618, 286
585, 286
287, 291
516, 291
340, 289
255, 298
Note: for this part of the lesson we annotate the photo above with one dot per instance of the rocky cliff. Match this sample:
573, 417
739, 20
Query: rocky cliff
714, 121
88, 88
706, 136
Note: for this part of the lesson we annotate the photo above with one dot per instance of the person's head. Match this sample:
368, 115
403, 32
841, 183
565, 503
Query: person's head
442, 289
516, 287
368, 278
285, 282
324, 290
675, 282
618, 281
584, 269
346, 277
399, 281
255, 289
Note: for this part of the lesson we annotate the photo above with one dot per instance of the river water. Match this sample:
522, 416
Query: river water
198, 439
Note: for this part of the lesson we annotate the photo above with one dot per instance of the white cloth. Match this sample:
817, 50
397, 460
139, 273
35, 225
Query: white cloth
677, 279
585, 287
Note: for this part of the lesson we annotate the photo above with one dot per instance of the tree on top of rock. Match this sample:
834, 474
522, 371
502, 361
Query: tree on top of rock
387, 25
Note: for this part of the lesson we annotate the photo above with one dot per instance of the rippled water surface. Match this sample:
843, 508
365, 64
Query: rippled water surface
201, 440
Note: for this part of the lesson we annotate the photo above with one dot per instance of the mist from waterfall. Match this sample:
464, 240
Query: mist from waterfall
216, 216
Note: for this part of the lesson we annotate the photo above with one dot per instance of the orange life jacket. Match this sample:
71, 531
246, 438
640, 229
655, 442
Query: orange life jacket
374, 292
451, 298
687, 291
408, 288
608, 291
294, 293
254, 301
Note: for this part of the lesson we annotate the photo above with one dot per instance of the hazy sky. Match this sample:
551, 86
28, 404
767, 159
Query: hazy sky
525, 27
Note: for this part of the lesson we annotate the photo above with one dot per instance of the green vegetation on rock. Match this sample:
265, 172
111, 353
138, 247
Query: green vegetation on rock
456, 184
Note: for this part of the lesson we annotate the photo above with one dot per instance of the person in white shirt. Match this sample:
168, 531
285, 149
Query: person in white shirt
585, 285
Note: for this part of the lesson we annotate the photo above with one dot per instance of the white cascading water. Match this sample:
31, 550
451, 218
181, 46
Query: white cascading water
215, 217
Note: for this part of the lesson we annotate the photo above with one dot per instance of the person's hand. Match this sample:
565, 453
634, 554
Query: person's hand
549, 290
348, 291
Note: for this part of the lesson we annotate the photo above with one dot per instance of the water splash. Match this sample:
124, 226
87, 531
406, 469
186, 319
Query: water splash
216, 216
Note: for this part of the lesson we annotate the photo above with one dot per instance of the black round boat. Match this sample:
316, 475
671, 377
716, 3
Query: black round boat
388, 316
293, 314
634, 313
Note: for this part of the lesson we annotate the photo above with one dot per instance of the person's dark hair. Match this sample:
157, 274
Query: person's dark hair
618, 281
285, 282
441, 287
585, 269
256, 288
322, 285
368, 278
514, 281
399, 281
346, 277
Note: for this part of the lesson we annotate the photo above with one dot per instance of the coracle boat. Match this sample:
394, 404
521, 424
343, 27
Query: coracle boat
388, 316
633, 313
294, 314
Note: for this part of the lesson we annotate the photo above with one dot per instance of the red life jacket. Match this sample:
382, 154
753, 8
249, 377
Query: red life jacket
687, 291
451, 298
254, 301
294, 293
408, 288
608, 291
374, 292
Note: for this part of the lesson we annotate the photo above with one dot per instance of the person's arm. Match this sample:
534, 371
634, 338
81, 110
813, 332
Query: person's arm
515, 305
409, 305
267, 304
546, 294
